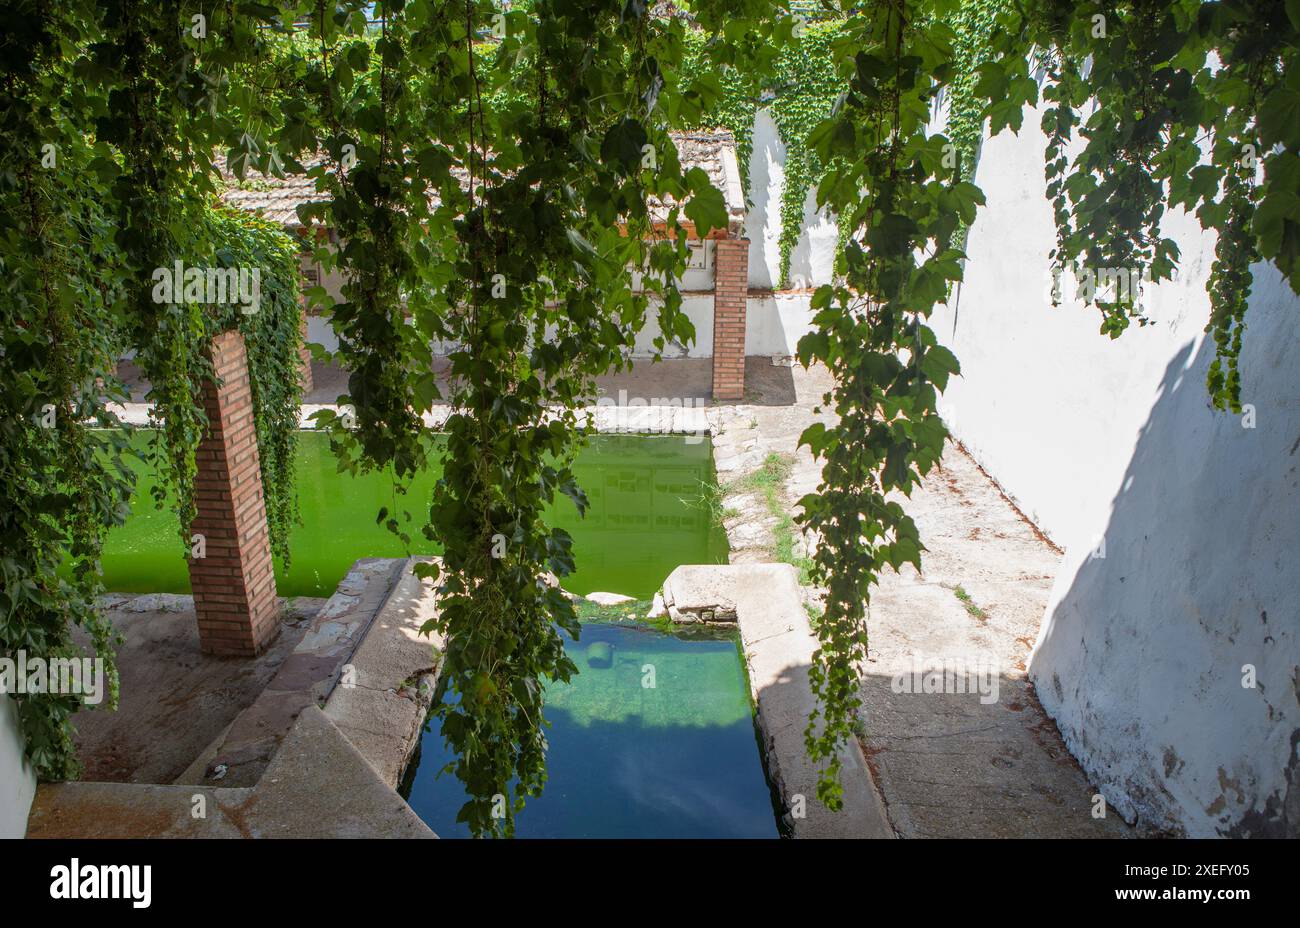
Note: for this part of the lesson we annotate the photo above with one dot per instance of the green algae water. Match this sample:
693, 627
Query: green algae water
645, 519
678, 759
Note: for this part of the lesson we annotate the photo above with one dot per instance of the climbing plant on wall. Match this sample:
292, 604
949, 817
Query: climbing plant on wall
1174, 103
736, 100
231, 238
806, 86
800, 89
105, 176
61, 484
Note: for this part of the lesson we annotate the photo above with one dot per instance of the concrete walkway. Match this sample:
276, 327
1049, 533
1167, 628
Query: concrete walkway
966, 765
746, 435
946, 764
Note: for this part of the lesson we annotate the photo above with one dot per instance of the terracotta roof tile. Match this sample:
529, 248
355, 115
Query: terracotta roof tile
278, 199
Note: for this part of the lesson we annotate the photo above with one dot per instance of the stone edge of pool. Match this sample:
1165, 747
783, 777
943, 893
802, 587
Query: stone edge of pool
630, 419
337, 769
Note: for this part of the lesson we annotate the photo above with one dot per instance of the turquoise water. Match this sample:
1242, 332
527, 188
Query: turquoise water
676, 760
644, 521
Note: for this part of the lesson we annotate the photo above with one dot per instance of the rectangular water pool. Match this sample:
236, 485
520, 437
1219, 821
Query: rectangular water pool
676, 759
645, 519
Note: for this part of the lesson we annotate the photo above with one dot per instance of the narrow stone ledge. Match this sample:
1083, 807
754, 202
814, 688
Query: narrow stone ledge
382, 705
306, 678
638, 420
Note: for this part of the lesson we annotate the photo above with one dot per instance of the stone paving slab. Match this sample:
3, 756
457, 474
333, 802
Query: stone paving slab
381, 709
287, 770
958, 764
317, 786
169, 686
641, 418
320, 786
306, 677
134, 810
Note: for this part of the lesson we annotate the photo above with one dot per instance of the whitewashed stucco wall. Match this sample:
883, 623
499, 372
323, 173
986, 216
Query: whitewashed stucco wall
17, 784
813, 257
1141, 652
774, 323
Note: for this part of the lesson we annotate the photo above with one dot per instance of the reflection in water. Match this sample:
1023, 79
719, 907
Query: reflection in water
678, 759
642, 523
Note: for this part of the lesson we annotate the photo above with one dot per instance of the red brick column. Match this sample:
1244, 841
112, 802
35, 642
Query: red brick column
730, 295
234, 584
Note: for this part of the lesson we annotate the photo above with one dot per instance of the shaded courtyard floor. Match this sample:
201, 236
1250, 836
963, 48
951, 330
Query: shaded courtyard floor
947, 765
175, 701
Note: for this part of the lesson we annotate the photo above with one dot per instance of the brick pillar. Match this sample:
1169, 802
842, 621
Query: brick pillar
304, 353
730, 295
234, 584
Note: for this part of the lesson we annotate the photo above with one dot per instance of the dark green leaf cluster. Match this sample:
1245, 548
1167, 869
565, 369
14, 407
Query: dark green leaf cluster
110, 116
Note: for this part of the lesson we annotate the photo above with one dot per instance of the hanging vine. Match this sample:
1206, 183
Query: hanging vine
105, 172
1192, 105
491, 175
800, 87
904, 201
63, 482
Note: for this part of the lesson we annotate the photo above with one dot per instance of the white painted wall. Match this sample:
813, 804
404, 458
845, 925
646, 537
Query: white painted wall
697, 302
763, 221
17, 783
774, 323
812, 260
1141, 650
698, 307
320, 332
